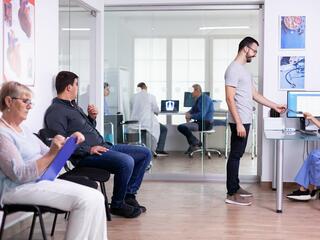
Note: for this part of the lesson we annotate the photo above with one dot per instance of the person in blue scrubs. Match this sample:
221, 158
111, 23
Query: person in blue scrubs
308, 176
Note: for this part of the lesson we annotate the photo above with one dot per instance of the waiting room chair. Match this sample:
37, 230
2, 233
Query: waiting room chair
38, 210
94, 174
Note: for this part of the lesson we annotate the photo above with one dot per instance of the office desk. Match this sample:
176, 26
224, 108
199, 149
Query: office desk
279, 137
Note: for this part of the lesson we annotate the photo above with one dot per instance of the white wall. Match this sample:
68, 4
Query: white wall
274, 9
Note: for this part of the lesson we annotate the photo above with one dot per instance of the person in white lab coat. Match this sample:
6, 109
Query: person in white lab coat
144, 109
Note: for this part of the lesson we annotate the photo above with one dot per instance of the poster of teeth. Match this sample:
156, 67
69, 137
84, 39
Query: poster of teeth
291, 72
293, 30
18, 44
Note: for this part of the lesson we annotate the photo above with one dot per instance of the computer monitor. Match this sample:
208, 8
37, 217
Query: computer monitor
303, 101
188, 100
169, 106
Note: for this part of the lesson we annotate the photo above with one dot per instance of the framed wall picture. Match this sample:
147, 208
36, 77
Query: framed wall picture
18, 44
292, 30
291, 72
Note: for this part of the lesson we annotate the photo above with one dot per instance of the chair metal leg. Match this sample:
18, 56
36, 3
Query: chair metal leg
103, 190
32, 225
43, 229
3, 222
54, 224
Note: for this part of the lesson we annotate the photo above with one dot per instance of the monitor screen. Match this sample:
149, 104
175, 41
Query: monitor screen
303, 101
169, 105
189, 100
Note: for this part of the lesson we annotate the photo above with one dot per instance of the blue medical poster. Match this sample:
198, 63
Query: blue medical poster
293, 32
291, 72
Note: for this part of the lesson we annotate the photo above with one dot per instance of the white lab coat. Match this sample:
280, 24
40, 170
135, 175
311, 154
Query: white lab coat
143, 108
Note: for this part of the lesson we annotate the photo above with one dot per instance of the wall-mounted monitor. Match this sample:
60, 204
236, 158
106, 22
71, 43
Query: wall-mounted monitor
303, 101
188, 100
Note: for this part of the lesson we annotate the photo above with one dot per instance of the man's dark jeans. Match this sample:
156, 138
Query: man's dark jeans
128, 164
238, 147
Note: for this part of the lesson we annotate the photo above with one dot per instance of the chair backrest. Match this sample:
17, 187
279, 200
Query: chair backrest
46, 135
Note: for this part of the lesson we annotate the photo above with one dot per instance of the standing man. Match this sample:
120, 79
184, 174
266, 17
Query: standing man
202, 115
145, 109
239, 94
127, 162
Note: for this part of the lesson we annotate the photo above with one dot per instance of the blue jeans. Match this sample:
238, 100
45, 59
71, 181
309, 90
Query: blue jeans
309, 172
128, 164
238, 146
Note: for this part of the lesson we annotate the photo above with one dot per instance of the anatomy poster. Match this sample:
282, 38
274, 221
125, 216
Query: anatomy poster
293, 32
291, 72
18, 44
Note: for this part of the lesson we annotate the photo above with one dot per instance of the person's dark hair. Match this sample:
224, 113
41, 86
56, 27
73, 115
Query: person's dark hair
246, 42
105, 85
63, 79
11, 89
142, 85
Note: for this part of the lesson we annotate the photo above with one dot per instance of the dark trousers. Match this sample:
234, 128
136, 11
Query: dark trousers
187, 128
162, 138
128, 164
238, 147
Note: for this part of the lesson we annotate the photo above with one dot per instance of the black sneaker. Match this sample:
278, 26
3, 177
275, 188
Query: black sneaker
300, 195
132, 201
188, 150
314, 193
162, 154
126, 211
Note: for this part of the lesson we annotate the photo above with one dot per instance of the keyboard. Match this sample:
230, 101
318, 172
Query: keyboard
308, 132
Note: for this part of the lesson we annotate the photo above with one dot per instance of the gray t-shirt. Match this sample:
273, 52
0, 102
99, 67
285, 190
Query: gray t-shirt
239, 77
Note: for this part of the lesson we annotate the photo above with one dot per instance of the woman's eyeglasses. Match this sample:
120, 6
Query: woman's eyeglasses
26, 101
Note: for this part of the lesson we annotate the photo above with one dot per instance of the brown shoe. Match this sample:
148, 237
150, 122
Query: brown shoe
238, 200
244, 193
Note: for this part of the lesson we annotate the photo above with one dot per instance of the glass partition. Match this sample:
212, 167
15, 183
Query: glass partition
170, 51
76, 38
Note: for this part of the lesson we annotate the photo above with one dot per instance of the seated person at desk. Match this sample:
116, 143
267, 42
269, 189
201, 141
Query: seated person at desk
308, 176
144, 109
202, 114
24, 158
127, 162
106, 92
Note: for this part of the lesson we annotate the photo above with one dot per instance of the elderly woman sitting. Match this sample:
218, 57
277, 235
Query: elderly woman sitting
23, 158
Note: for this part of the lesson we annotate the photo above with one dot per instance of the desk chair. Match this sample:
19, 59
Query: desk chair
204, 149
131, 132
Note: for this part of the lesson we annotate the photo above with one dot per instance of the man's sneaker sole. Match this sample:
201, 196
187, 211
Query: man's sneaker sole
162, 155
246, 195
237, 203
300, 198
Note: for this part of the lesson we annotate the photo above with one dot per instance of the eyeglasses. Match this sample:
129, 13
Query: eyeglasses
254, 50
26, 101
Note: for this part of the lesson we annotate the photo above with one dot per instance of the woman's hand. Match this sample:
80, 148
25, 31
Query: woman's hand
56, 144
79, 136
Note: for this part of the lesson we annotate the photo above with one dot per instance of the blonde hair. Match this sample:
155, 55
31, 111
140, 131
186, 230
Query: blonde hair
11, 89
